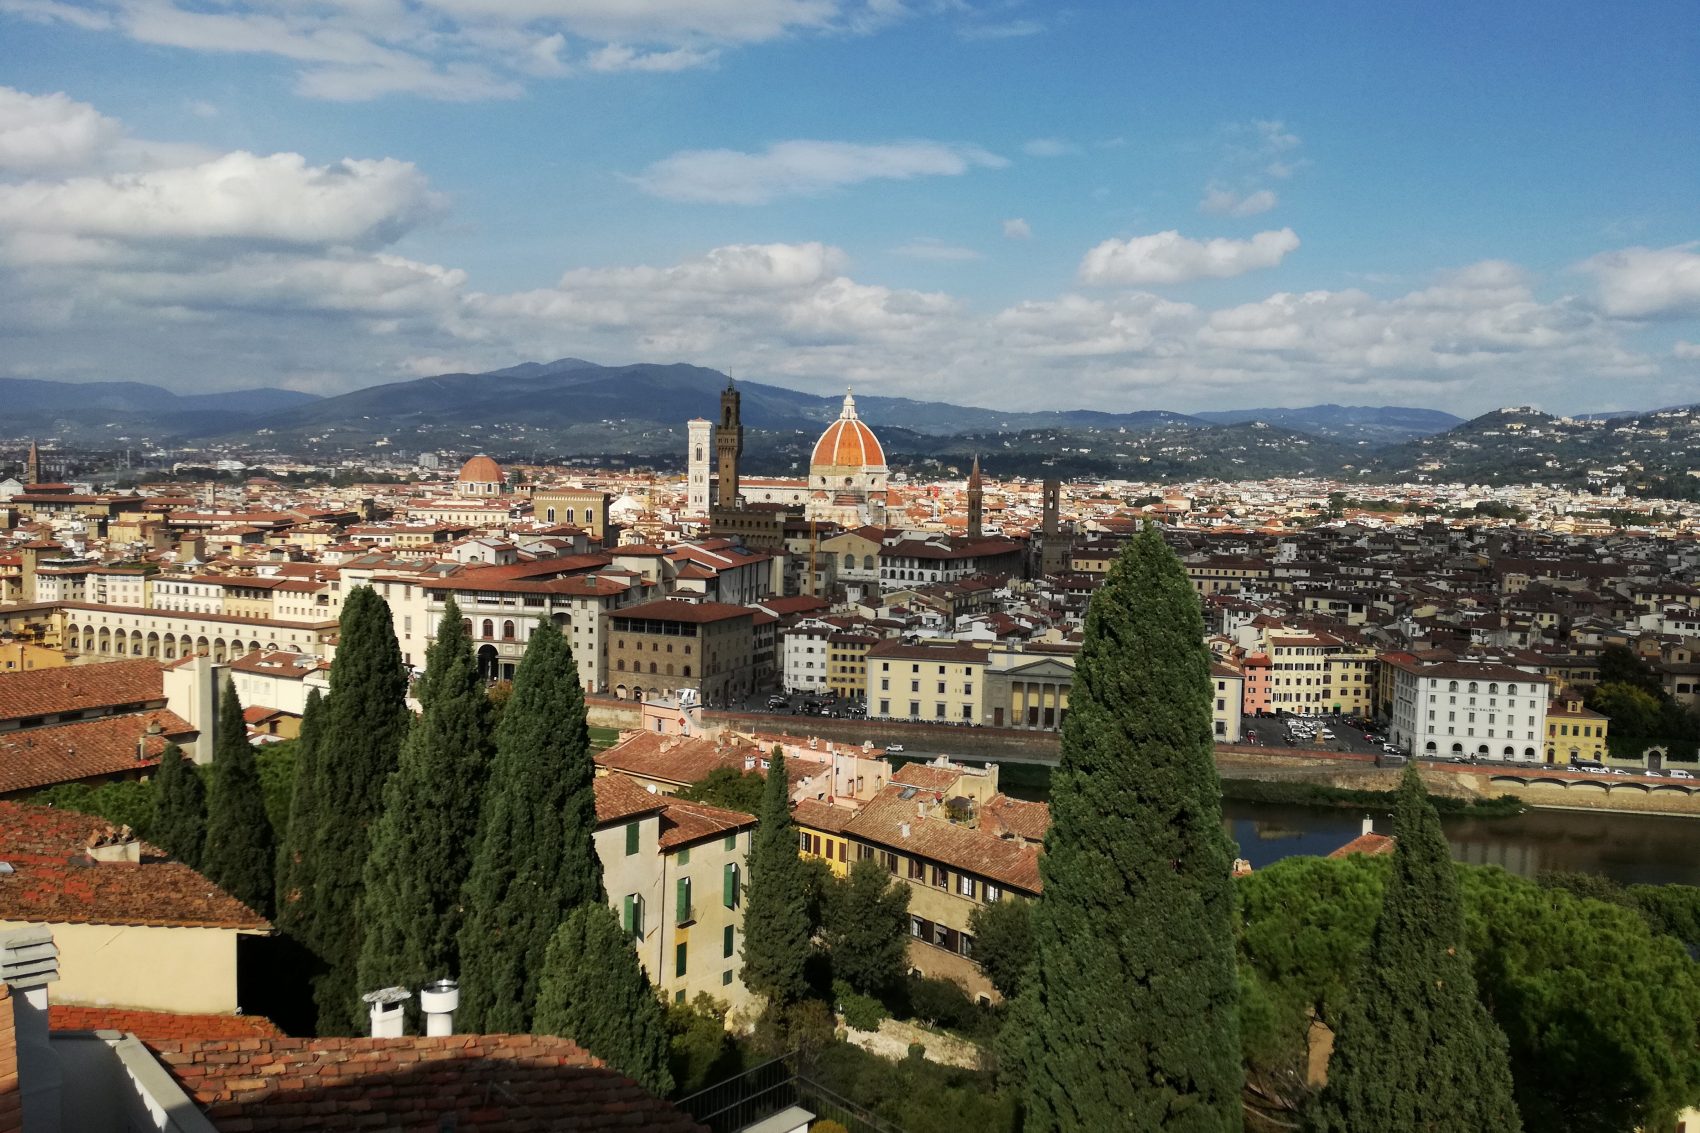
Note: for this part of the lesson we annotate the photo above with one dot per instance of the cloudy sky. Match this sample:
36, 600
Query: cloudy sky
1122, 206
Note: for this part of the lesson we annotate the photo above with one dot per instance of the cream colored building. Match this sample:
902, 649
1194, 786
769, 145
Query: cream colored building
674, 873
931, 682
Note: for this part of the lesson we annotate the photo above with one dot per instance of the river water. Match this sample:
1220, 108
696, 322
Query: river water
1633, 849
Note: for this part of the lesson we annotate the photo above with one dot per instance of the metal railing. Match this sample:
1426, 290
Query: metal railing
776, 1085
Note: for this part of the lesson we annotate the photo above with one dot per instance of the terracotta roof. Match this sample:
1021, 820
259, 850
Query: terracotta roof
924, 775
683, 824
31, 758
1371, 844
936, 838
160, 1026
619, 797
672, 759
54, 881
45, 692
1026, 820
848, 443
822, 816
673, 610
491, 1083
481, 470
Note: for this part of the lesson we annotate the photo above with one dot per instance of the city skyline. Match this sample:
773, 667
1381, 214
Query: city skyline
995, 205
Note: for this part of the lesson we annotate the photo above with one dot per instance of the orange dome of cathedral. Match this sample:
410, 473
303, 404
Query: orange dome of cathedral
482, 470
848, 443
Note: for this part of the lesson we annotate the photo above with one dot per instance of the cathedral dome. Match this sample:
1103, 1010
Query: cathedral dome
848, 443
482, 470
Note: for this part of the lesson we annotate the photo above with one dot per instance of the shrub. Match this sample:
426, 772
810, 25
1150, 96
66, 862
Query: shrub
942, 1002
862, 1012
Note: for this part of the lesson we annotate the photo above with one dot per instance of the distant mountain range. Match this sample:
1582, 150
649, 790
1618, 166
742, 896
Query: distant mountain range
572, 409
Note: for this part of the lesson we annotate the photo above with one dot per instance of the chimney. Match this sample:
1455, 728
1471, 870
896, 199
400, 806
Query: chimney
438, 1000
903, 828
28, 963
1369, 825
113, 844
387, 1012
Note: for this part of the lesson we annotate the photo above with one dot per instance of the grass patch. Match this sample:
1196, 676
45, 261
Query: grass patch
602, 738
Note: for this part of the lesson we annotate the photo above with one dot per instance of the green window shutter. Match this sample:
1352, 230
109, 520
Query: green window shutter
631, 838
729, 886
679, 959
685, 856
628, 915
732, 841
726, 941
683, 904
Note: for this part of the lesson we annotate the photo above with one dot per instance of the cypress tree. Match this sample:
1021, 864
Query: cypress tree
776, 920
295, 856
535, 858
179, 821
365, 721
422, 845
1132, 1006
593, 990
1415, 1049
240, 847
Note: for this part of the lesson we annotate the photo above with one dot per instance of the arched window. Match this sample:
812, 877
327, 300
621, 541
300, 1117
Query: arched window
849, 562
669, 668
1530, 752
1457, 749
1453, 687
1510, 752
620, 666
652, 666
466, 625
489, 628
507, 631
1493, 689
867, 562
1429, 746
687, 670
1511, 690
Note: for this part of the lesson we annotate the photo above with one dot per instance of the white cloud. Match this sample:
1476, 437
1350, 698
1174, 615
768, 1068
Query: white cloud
617, 57
240, 196
201, 109
51, 132
1169, 257
1008, 29
803, 168
1225, 202
932, 248
246, 269
462, 49
1050, 147
1647, 283
1017, 229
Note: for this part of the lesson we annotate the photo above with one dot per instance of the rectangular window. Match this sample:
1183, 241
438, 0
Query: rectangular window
631, 838
726, 941
679, 951
682, 902
917, 869
631, 916
941, 877
731, 841
725, 978
889, 860
994, 894
729, 887
965, 885
685, 855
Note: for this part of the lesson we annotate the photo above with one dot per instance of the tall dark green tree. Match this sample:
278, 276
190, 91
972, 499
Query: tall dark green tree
1416, 1052
295, 856
365, 720
535, 859
422, 846
867, 929
776, 918
240, 848
1003, 943
1129, 1017
593, 990
179, 821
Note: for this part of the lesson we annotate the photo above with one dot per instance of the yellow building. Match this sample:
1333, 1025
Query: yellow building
578, 507
937, 681
847, 663
1575, 732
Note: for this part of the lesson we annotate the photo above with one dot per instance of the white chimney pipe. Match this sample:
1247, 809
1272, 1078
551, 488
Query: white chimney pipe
438, 1000
28, 963
1369, 824
386, 1010
904, 827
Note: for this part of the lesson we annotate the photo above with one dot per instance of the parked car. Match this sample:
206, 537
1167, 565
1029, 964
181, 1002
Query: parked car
894, 749
1653, 774
1678, 773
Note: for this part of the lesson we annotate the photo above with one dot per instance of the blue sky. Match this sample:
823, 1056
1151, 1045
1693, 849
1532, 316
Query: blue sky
1118, 206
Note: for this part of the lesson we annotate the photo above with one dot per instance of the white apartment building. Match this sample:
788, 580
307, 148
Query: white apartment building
1470, 709
802, 656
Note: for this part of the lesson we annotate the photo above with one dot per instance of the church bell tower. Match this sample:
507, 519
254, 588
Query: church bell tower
728, 446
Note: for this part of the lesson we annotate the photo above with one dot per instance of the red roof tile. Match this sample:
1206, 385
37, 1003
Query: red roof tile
160, 1026
55, 882
683, 824
619, 798
32, 758
491, 1083
882, 821
44, 692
